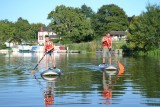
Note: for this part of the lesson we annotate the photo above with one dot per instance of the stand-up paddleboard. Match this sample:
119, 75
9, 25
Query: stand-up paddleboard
103, 66
111, 70
49, 78
51, 74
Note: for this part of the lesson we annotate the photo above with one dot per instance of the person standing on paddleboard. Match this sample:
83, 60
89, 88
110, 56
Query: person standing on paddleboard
107, 46
48, 50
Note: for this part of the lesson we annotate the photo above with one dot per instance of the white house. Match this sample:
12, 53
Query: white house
118, 35
43, 32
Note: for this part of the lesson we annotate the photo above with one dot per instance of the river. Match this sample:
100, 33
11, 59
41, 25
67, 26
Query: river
82, 83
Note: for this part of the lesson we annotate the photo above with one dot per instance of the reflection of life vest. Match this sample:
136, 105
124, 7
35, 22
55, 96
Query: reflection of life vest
48, 100
49, 45
107, 93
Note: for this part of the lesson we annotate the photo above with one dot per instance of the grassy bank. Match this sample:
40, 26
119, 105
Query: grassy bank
92, 46
154, 53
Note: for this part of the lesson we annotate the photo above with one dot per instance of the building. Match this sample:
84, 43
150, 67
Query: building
118, 35
43, 32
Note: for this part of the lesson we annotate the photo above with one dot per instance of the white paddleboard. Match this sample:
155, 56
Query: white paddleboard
111, 70
51, 72
50, 78
102, 66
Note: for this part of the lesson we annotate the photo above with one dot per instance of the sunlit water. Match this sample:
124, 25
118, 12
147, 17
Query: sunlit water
82, 83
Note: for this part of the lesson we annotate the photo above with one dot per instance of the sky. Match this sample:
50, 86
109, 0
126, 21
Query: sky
36, 11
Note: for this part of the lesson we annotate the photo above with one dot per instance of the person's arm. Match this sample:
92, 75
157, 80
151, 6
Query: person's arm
111, 42
103, 39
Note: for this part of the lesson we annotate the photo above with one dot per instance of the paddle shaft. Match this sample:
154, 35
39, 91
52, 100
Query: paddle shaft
39, 62
119, 64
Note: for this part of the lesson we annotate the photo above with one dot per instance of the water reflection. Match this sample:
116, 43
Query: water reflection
48, 92
109, 81
81, 83
107, 89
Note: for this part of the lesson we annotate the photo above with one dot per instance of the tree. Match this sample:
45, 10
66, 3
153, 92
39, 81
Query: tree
87, 11
70, 24
35, 29
110, 18
7, 31
22, 31
145, 29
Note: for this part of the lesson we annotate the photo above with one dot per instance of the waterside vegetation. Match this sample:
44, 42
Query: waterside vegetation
82, 28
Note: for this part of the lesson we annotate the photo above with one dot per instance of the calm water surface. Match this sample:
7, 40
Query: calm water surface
82, 84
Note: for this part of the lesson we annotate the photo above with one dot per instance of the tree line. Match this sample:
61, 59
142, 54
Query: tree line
73, 25
19, 32
76, 25
144, 30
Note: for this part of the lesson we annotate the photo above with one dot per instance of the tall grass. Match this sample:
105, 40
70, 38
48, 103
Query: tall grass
154, 52
92, 46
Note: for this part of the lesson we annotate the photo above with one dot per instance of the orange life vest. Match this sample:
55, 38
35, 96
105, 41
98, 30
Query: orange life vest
49, 101
49, 45
107, 42
107, 93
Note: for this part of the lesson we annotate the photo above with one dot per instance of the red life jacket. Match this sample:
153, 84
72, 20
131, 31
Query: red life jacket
49, 45
48, 100
108, 42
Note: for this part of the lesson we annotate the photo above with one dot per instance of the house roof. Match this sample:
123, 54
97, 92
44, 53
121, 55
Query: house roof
118, 33
53, 36
43, 29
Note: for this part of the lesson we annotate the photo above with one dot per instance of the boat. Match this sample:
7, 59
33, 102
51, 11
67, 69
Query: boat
24, 48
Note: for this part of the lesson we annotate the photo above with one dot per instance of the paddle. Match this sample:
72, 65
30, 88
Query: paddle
32, 72
121, 67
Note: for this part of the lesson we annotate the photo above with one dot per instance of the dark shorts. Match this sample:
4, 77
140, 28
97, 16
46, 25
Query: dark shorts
49, 53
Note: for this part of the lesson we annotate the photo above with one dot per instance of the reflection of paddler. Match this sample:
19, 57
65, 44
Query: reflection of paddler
48, 96
107, 93
107, 88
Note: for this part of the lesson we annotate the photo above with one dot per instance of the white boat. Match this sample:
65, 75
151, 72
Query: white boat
23, 48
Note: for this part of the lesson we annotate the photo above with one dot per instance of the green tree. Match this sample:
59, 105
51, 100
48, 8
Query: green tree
145, 30
70, 24
36, 28
22, 30
110, 18
7, 31
87, 11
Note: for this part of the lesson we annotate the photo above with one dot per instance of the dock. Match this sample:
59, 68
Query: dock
116, 51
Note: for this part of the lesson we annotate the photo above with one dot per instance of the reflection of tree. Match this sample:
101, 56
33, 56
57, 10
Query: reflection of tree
77, 81
145, 73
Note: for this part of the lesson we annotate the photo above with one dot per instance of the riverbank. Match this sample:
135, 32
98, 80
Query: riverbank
93, 46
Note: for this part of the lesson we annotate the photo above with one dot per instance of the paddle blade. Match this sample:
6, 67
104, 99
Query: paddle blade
121, 67
32, 72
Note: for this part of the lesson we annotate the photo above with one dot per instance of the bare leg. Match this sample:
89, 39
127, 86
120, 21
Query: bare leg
110, 60
104, 60
47, 61
54, 65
